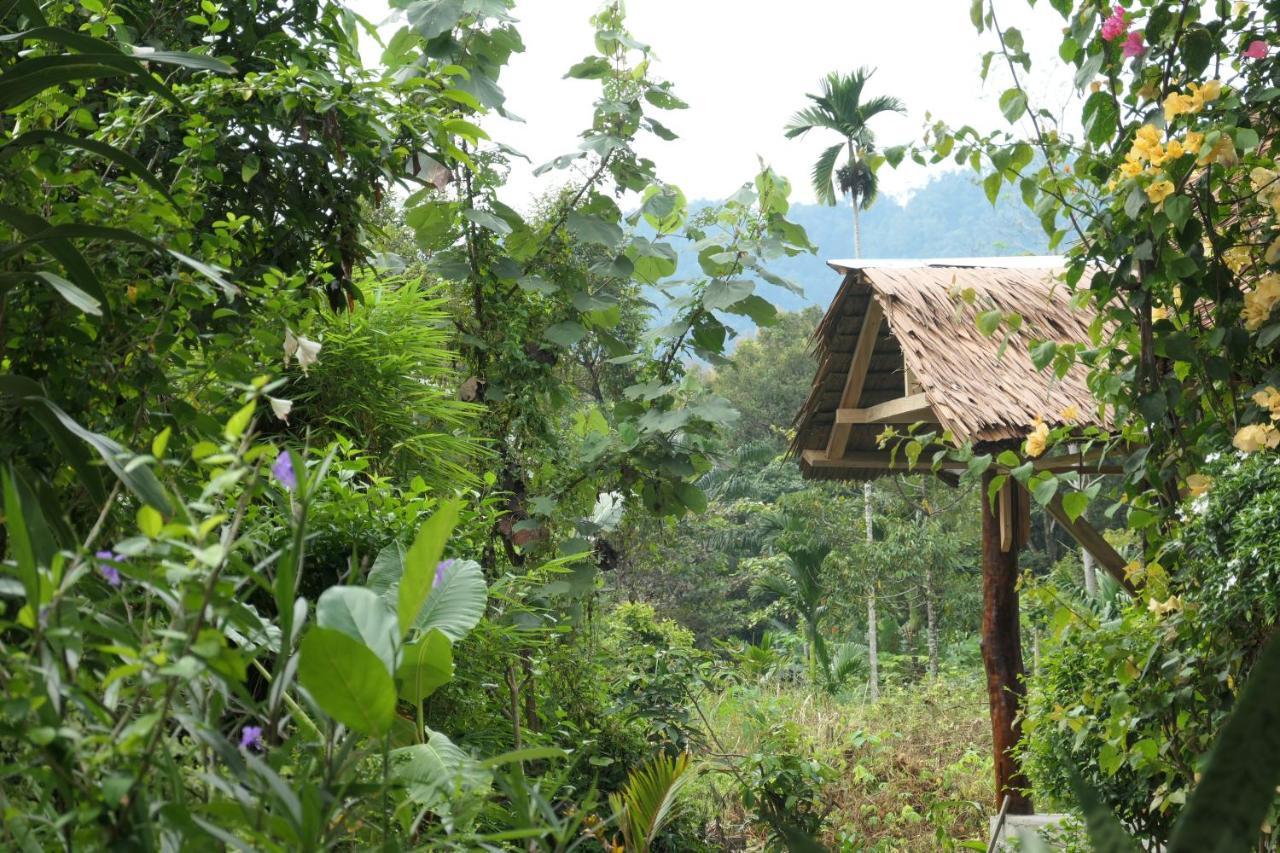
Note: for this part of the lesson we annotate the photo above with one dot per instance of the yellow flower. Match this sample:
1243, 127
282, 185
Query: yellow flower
1175, 105
1201, 95
1130, 169
1159, 313
1070, 414
1159, 191
1269, 398
1259, 301
1192, 142
1162, 607
1038, 439
1265, 182
1146, 142
1198, 484
1223, 151
1237, 258
1273, 252
1173, 150
1254, 437
1149, 92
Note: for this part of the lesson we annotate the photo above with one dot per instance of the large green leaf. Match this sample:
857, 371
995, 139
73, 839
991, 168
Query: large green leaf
362, 614
88, 44
347, 680
439, 776
723, 294
19, 538
384, 577
1227, 808
593, 229
457, 603
68, 291
420, 563
139, 479
56, 245
26, 392
30, 77
123, 159
425, 666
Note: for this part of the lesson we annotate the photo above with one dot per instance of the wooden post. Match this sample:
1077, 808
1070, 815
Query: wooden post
1001, 639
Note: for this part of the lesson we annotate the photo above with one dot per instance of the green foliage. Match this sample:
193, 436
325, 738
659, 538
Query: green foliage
387, 382
1226, 554
650, 799
655, 670
782, 784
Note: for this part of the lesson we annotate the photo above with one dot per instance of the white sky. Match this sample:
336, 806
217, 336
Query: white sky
744, 67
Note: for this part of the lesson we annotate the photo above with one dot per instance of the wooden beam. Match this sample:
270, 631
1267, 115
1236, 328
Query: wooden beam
1002, 644
879, 460
901, 410
1093, 542
858, 366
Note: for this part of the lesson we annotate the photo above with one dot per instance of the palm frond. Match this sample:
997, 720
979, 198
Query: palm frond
881, 104
823, 174
810, 118
649, 801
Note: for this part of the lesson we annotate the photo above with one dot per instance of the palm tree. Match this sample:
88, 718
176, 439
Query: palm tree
840, 108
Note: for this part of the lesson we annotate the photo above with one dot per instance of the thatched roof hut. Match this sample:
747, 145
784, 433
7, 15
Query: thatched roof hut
900, 344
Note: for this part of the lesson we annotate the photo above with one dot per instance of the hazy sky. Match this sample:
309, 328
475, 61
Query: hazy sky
744, 67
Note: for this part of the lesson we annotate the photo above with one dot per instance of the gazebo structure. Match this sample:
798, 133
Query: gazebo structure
900, 345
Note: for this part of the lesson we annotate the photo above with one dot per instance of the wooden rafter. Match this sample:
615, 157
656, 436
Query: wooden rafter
902, 410
858, 366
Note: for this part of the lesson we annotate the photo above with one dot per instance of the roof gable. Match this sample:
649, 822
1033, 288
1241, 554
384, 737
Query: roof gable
928, 344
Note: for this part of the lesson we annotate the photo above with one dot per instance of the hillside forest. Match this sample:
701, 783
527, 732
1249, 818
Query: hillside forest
351, 502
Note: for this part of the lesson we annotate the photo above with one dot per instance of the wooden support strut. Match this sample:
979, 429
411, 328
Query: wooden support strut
1001, 635
1093, 542
857, 376
903, 410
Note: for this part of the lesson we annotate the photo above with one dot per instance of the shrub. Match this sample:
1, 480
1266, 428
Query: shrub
387, 382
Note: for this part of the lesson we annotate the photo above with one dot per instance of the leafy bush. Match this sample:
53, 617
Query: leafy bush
1227, 557
655, 668
388, 383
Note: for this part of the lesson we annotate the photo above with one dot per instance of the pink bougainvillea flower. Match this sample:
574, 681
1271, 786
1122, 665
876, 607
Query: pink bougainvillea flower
1257, 49
1133, 45
1114, 26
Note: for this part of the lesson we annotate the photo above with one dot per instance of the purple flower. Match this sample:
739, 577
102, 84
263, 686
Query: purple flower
442, 569
251, 737
106, 568
282, 469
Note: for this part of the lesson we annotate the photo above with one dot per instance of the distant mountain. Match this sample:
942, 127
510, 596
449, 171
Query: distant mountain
949, 217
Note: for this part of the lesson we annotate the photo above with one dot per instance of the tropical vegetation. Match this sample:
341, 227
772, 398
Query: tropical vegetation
351, 501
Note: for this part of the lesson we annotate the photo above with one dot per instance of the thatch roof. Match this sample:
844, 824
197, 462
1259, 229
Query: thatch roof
980, 394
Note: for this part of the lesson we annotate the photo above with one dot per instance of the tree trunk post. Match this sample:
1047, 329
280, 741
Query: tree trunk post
1001, 635
931, 621
1090, 572
872, 624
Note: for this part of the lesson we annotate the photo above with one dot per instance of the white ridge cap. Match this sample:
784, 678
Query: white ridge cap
1006, 262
